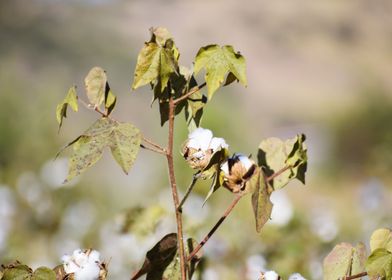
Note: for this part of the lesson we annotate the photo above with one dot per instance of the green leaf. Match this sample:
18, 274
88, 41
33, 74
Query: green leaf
125, 144
337, 263
275, 155
122, 138
43, 273
157, 60
218, 62
70, 99
381, 238
110, 102
379, 264
96, 86
17, 272
262, 205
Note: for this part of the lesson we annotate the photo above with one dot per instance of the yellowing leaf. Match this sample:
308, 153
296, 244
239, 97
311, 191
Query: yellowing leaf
70, 99
17, 272
96, 82
275, 155
262, 205
218, 62
379, 264
125, 143
156, 61
337, 263
122, 138
381, 238
86, 152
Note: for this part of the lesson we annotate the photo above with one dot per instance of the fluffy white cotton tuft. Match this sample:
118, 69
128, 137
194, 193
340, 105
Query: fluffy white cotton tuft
84, 264
296, 276
202, 139
271, 275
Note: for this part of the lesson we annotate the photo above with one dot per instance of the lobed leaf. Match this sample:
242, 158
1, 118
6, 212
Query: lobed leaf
96, 86
157, 60
379, 264
275, 155
262, 205
122, 138
219, 62
70, 99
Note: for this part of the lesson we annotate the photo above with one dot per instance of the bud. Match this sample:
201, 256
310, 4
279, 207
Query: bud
200, 147
237, 170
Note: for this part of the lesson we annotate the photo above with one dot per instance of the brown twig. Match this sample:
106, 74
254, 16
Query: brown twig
212, 231
162, 152
170, 162
359, 275
276, 174
153, 144
189, 93
188, 191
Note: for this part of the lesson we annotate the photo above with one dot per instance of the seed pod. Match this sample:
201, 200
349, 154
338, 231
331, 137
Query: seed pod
238, 169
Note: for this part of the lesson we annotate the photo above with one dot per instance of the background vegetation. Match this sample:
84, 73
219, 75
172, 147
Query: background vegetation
320, 67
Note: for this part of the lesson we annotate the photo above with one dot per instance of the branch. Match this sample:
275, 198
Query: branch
189, 93
188, 191
359, 275
148, 141
170, 163
276, 174
95, 108
212, 231
162, 152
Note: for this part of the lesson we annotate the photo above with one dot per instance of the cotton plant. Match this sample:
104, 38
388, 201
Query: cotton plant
176, 90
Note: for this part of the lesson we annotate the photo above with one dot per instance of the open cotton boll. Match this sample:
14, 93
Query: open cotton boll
271, 275
85, 265
218, 144
89, 272
225, 168
296, 276
246, 162
200, 138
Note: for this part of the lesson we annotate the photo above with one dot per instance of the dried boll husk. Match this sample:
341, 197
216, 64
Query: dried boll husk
237, 174
197, 159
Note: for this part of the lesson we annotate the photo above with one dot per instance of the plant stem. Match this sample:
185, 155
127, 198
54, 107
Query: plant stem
276, 174
212, 231
169, 156
188, 191
189, 93
148, 141
162, 152
359, 275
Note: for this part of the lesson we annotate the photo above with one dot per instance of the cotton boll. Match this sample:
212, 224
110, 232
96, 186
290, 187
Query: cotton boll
217, 144
271, 275
201, 137
89, 272
94, 256
225, 168
245, 161
296, 276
